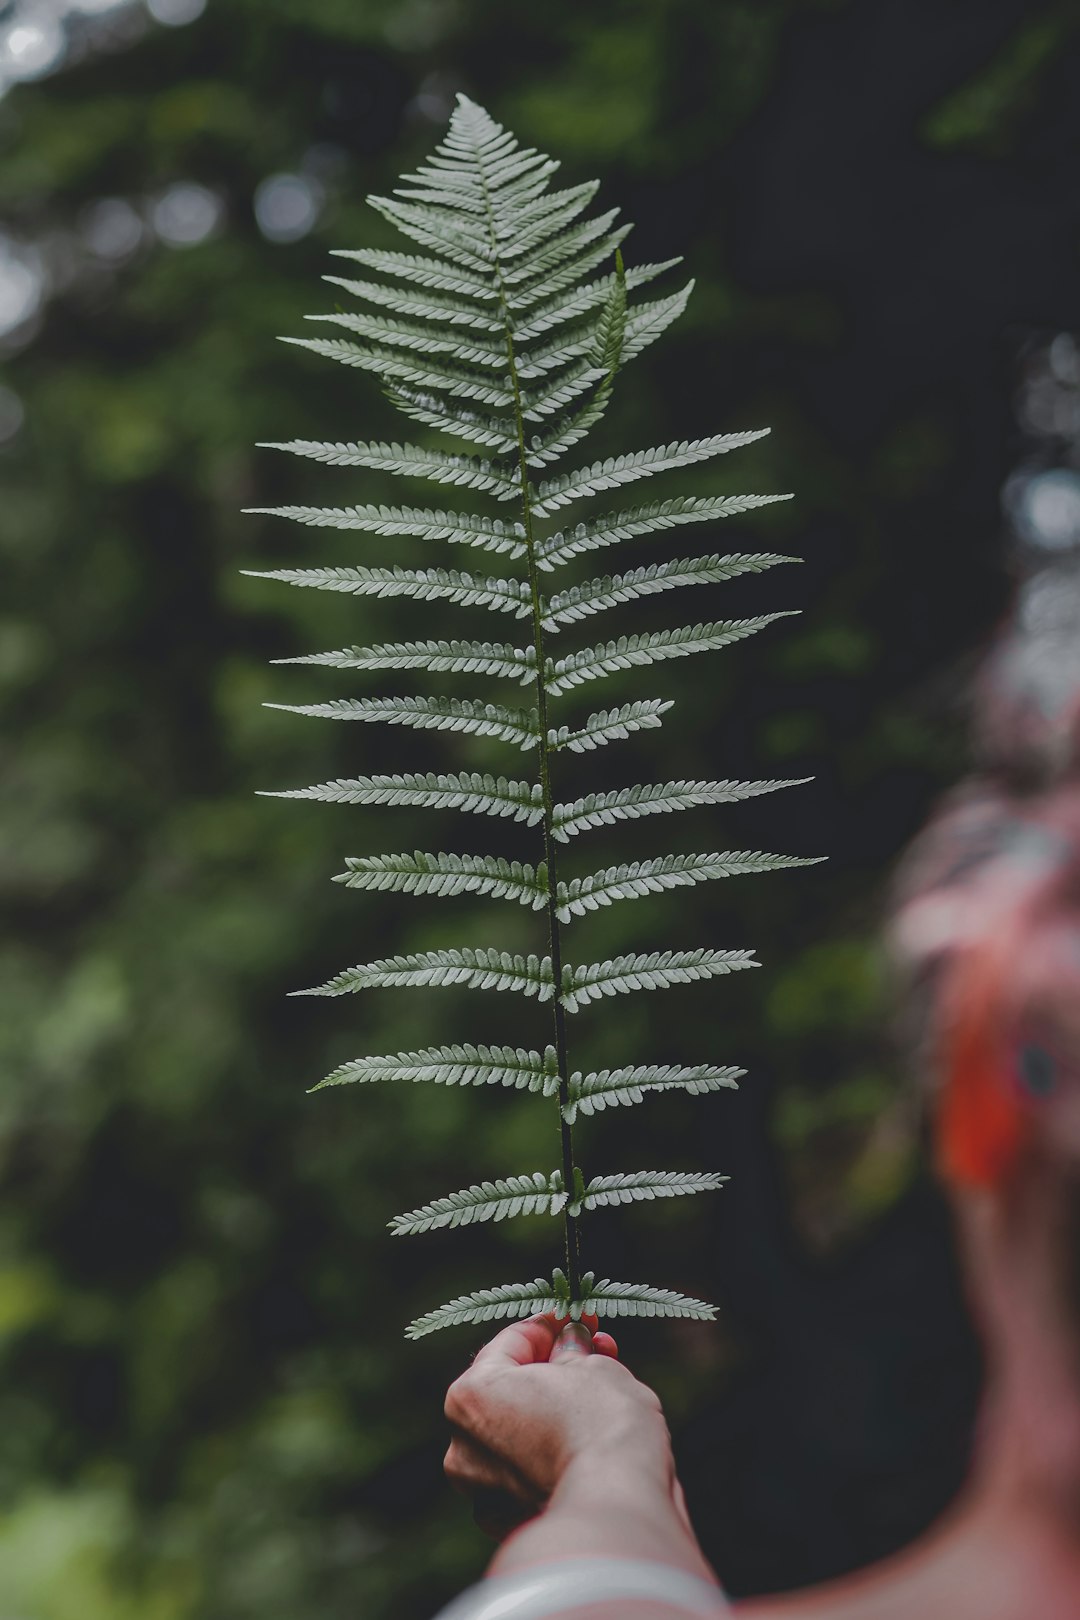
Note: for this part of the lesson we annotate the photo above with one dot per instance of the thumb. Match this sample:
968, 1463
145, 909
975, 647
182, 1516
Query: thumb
574, 1340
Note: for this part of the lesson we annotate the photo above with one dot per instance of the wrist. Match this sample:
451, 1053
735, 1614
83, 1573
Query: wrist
639, 1460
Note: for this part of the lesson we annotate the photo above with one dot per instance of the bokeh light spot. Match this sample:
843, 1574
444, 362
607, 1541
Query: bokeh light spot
175, 13
112, 229
287, 206
187, 214
30, 49
1047, 509
21, 287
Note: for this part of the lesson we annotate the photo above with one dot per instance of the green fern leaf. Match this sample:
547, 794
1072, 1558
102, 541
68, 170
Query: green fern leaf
489, 433
585, 247
637, 1299
464, 1065
473, 969
487, 1201
635, 879
410, 460
615, 526
507, 332
469, 791
459, 383
571, 306
429, 714
593, 663
449, 875
470, 529
631, 803
544, 448
423, 306
598, 595
419, 335
539, 221
424, 584
463, 244
538, 403
510, 1301
614, 1088
640, 1185
497, 659
610, 725
422, 272
655, 970
618, 470
650, 321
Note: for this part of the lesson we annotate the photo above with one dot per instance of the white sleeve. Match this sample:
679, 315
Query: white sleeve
553, 1589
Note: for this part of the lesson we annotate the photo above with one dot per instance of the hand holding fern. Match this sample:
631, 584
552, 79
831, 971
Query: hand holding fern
572, 1441
535, 1400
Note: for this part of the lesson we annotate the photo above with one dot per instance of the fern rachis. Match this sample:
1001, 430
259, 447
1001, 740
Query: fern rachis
502, 335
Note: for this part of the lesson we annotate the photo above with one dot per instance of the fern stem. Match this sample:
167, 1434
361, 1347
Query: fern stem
571, 1223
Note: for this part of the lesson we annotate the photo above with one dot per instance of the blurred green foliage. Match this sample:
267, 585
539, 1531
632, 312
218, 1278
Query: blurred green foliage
206, 1407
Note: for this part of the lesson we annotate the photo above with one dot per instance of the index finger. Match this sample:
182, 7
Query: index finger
522, 1343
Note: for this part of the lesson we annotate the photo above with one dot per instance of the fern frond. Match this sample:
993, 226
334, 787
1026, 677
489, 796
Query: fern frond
497, 659
422, 272
463, 243
429, 714
573, 305
517, 180
487, 1201
474, 969
459, 383
395, 333
650, 321
604, 350
610, 725
654, 647
424, 584
469, 791
585, 246
608, 530
570, 430
539, 221
662, 798
641, 1185
460, 528
656, 970
554, 395
614, 1088
422, 306
449, 875
511, 1300
488, 432
506, 333
638, 1299
464, 1065
618, 470
598, 595
637, 878
409, 460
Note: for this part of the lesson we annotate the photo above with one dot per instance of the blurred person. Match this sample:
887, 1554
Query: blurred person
552, 1433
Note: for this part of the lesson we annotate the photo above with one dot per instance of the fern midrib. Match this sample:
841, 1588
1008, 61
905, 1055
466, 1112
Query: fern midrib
571, 1223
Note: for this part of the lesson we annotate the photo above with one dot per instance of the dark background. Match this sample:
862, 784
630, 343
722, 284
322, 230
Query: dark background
207, 1409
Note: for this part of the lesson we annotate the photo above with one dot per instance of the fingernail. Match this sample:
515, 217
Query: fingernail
574, 1340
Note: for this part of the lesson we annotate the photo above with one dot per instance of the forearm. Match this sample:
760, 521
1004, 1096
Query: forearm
608, 1506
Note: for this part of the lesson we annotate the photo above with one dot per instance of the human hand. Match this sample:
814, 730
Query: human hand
541, 1398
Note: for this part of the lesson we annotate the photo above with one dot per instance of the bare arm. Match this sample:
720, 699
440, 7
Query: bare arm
581, 1447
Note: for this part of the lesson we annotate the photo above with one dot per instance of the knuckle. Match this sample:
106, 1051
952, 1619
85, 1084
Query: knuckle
453, 1463
458, 1402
